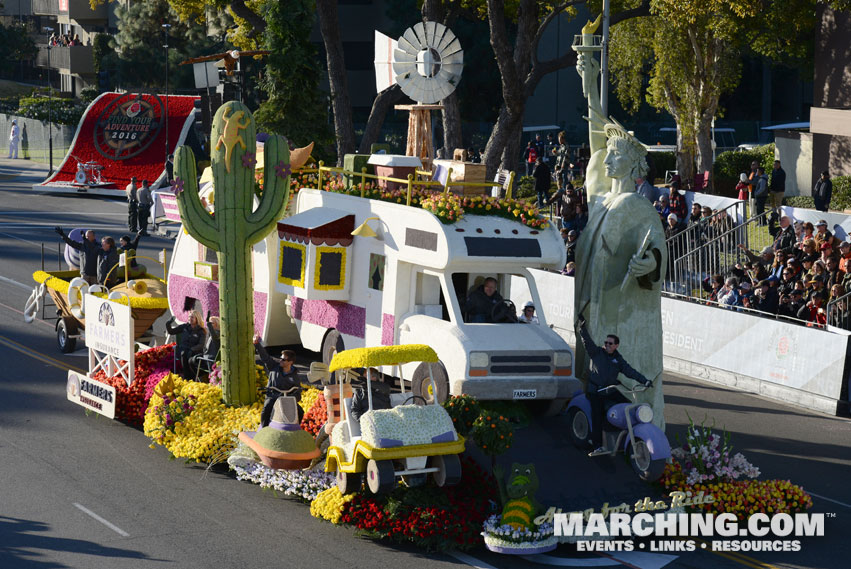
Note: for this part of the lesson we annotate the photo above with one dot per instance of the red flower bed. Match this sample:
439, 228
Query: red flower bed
148, 165
316, 416
430, 517
150, 367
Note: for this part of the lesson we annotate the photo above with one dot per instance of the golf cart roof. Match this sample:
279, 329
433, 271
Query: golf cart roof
382, 356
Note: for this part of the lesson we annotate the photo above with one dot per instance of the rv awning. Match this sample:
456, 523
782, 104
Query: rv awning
319, 226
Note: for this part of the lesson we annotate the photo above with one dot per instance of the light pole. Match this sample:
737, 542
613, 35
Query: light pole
49, 103
165, 30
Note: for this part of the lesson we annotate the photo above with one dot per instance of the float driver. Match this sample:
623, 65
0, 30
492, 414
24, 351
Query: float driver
605, 364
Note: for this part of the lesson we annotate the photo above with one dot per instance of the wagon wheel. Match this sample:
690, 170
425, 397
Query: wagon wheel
65, 327
448, 469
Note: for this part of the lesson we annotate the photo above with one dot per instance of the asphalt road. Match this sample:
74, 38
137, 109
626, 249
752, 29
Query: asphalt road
86, 492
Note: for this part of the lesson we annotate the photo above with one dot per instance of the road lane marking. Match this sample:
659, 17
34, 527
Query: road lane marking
829, 499
16, 283
39, 320
24, 240
107, 523
38, 356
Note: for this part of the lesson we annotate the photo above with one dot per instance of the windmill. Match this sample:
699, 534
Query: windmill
426, 62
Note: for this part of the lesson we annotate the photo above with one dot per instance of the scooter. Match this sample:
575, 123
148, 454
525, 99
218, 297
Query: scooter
649, 449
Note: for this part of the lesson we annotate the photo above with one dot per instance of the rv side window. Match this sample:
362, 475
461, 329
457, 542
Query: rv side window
428, 297
330, 268
291, 268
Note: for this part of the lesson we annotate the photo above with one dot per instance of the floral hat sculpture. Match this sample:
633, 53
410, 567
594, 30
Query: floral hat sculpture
234, 229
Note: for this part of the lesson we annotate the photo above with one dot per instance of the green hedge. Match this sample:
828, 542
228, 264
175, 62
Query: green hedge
729, 165
659, 163
60, 111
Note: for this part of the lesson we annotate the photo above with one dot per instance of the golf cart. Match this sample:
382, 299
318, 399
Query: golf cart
410, 440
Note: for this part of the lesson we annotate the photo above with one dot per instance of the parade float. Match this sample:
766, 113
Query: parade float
122, 135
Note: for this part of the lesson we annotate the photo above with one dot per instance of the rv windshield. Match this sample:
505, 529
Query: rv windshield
484, 298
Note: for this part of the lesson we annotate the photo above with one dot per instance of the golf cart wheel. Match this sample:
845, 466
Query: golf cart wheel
348, 482
331, 344
380, 476
63, 331
647, 468
579, 428
448, 469
421, 384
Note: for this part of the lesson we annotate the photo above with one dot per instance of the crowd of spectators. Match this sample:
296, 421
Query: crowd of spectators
796, 277
64, 40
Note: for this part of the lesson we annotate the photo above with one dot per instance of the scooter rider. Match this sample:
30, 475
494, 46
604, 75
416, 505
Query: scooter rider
606, 364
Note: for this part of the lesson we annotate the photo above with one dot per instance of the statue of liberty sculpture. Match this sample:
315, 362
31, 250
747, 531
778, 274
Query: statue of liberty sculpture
621, 255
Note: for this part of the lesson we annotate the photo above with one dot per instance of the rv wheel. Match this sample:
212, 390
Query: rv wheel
421, 382
332, 344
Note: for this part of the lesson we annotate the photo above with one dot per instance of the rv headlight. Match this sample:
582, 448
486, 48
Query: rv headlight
644, 413
479, 359
563, 359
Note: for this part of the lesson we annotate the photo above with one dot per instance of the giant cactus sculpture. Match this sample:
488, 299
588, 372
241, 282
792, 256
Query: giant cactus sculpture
233, 229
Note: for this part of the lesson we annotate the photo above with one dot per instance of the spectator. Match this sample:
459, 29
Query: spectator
823, 191
844, 253
567, 205
132, 205
542, 182
562, 164
211, 346
799, 232
752, 175
776, 269
728, 296
777, 186
530, 156
760, 194
846, 280
813, 311
191, 341
569, 269
677, 200
673, 227
816, 289
823, 234
839, 314
570, 245
129, 245
743, 187
826, 252
766, 298
663, 206
713, 286
646, 189
540, 147
808, 249
695, 214
785, 240
787, 281
834, 275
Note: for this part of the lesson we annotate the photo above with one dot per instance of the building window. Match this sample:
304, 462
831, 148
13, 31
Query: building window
291, 268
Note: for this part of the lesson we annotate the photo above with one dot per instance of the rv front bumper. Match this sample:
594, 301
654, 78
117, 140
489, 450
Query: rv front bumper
507, 388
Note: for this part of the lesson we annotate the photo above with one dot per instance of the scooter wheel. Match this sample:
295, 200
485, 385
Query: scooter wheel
647, 468
579, 428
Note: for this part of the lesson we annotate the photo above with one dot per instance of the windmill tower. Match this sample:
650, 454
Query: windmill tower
426, 62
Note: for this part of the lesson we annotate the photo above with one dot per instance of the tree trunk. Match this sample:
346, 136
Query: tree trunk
685, 159
330, 28
452, 136
703, 140
382, 103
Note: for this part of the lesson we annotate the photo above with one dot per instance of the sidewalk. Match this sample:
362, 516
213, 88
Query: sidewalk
22, 170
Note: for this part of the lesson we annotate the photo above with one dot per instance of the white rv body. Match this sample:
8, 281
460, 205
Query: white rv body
407, 283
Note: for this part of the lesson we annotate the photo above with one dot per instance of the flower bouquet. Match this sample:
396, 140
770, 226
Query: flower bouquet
504, 538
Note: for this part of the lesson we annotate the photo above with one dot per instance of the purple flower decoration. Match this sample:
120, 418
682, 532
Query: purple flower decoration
283, 169
249, 159
178, 186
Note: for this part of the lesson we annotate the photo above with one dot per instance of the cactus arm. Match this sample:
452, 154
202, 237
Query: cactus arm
197, 221
275, 190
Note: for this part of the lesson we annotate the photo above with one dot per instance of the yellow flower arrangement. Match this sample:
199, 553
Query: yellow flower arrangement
329, 504
60, 280
208, 431
382, 356
308, 398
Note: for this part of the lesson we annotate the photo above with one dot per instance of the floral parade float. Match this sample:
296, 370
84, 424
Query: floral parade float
147, 296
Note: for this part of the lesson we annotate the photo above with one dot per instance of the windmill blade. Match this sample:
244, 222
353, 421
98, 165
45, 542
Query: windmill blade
411, 42
401, 56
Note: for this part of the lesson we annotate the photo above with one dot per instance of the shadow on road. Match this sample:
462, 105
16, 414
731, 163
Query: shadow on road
21, 546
